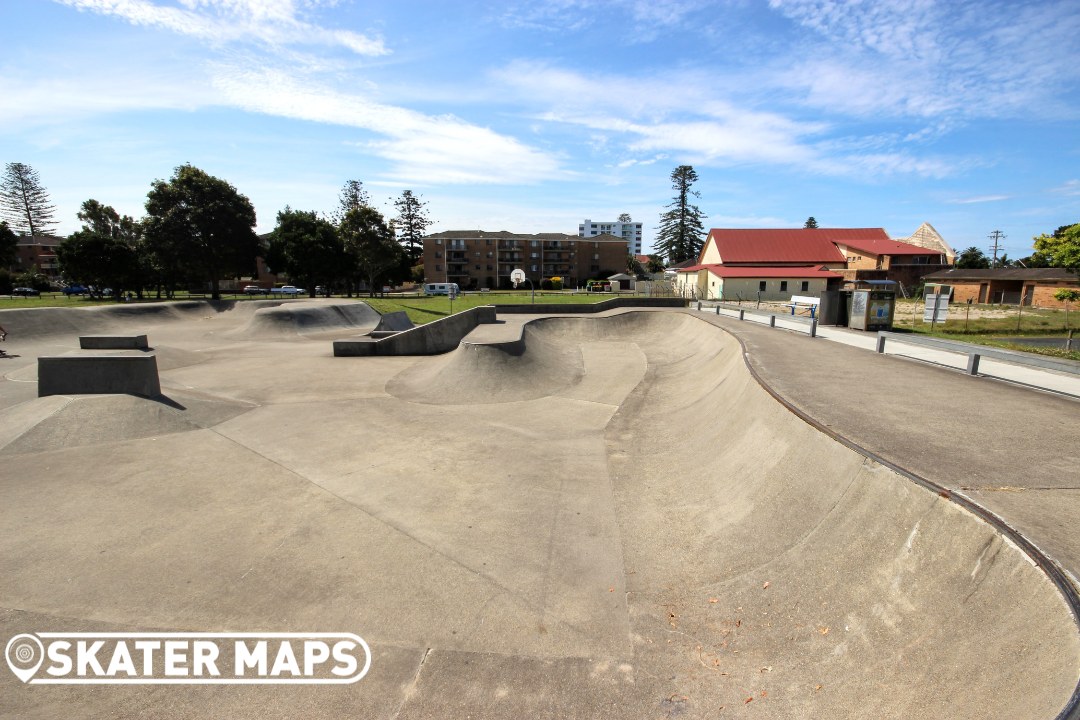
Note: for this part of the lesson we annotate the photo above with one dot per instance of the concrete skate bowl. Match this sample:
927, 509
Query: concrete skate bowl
769, 569
301, 318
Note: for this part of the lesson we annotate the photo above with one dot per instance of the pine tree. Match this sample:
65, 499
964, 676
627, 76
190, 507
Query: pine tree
353, 196
680, 234
24, 202
811, 223
412, 223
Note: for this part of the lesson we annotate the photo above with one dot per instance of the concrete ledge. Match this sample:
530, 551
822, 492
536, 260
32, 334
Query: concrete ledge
98, 374
113, 342
431, 339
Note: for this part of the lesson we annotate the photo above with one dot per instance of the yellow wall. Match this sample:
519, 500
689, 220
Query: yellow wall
747, 288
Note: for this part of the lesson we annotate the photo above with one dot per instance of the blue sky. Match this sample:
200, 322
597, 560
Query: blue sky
531, 116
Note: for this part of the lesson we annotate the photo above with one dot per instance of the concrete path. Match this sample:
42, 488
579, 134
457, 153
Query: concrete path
591, 517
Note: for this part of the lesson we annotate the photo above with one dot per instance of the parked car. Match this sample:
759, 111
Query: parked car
256, 290
75, 290
290, 290
25, 292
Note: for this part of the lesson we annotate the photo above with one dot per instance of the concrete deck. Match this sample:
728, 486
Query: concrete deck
595, 517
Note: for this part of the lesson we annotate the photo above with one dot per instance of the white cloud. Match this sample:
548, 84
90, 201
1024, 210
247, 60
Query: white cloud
979, 199
424, 149
1069, 187
274, 22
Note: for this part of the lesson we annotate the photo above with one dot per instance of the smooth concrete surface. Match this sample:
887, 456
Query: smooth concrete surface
590, 517
98, 374
113, 342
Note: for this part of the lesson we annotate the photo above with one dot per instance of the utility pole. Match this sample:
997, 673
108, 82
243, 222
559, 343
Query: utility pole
996, 237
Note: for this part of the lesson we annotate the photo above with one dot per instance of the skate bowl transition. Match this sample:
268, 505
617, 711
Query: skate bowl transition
603, 516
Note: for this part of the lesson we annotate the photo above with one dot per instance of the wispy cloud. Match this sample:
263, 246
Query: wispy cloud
978, 199
422, 148
645, 18
930, 58
1069, 187
272, 22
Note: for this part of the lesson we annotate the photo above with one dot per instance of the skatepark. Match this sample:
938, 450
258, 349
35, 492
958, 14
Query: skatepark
643, 513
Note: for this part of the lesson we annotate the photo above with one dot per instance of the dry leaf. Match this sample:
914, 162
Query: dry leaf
714, 600
748, 700
611, 589
765, 586
823, 630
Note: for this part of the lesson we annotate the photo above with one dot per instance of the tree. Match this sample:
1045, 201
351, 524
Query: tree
1062, 248
371, 244
681, 229
1067, 296
633, 266
411, 225
203, 224
625, 218
24, 202
972, 258
353, 196
811, 223
9, 243
307, 248
655, 264
105, 252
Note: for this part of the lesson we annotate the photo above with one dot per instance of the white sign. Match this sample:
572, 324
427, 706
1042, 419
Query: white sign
187, 658
517, 276
937, 308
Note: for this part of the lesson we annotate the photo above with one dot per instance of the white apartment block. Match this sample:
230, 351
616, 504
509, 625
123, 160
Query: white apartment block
630, 231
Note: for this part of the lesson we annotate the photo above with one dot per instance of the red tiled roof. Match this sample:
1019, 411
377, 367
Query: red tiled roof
743, 271
800, 245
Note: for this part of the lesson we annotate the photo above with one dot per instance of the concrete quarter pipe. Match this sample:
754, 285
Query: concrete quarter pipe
606, 518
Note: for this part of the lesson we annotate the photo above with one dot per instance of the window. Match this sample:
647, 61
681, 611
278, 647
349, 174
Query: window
489, 241
534, 268
438, 242
805, 286
477, 254
489, 268
491, 254
438, 268
535, 255
783, 285
534, 243
438, 253
596, 256
761, 286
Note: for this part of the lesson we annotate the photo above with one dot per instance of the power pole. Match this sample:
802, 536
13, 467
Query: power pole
996, 237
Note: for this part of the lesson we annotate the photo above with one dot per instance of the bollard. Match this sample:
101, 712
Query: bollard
813, 327
973, 364
772, 321
717, 309
699, 306
880, 343
742, 314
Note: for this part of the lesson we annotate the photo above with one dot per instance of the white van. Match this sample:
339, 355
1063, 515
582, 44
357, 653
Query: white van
441, 288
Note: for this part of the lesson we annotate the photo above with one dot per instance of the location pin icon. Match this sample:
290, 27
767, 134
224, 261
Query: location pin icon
24, 654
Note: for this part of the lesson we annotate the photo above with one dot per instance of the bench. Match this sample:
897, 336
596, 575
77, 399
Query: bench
803, 301
113, 342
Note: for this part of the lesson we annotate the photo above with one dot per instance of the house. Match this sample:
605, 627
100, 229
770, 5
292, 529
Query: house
484, 259
744, 282
1008, 286
849, 254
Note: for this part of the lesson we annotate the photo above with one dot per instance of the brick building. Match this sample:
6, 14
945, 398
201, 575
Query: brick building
38, 253
479, 259
1035, 286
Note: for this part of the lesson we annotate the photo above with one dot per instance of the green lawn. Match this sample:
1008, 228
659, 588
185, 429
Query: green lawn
425, 309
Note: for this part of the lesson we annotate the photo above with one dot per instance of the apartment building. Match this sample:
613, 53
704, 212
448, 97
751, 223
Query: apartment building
38, 253
477, 259
630, 231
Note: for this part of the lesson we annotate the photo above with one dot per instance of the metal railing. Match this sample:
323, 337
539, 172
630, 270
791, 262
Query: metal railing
976, 352
741, 312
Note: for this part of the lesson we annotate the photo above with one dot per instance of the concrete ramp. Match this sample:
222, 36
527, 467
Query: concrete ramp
296, 319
